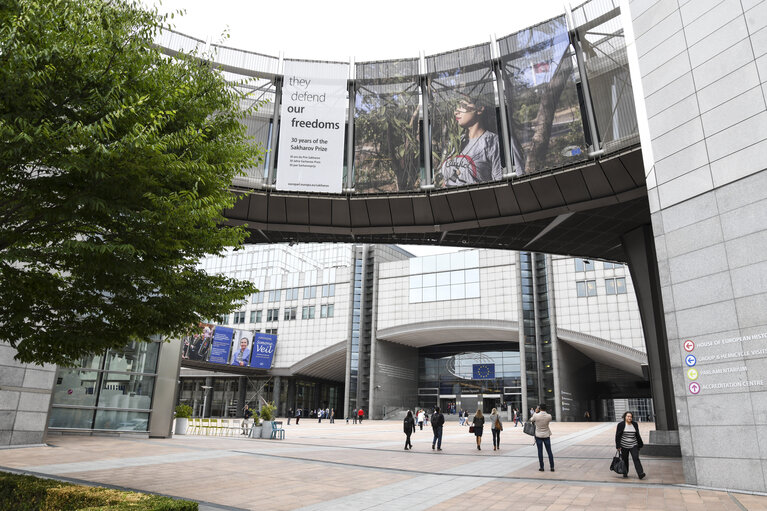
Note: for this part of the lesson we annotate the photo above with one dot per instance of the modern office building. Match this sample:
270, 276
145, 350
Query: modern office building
371, 326
631, 131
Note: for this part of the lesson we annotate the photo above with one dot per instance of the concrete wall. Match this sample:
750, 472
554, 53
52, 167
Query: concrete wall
577, 383
396, 378
703, 68
25, 396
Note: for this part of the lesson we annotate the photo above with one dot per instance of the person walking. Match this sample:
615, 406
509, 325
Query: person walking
517, 417
541, 419
628, 440
354, 416
437, 421
421, 415
332, 415
460, 418
496, 426
360, 415
479, 423
298, 415
465, 417
290, 415
409, 427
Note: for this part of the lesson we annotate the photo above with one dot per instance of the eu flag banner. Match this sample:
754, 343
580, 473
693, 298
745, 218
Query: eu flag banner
482, 371
263, 350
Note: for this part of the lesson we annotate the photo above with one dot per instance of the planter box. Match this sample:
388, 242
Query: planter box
182, 423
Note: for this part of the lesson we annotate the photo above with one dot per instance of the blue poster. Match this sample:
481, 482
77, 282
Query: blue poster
263, 350
482, 371
222, 343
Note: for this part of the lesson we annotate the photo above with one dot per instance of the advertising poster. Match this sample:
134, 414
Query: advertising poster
387, 141
263, 351
242, 344
197, 346
312, 128
466, 149
222, 343
542, 98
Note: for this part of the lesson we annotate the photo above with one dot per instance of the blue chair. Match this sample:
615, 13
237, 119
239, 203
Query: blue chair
277, 432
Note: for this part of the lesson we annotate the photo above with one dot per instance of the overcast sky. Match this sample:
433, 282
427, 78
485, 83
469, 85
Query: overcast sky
364, 30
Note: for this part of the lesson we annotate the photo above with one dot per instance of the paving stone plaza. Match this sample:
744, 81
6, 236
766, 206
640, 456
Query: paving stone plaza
364, 467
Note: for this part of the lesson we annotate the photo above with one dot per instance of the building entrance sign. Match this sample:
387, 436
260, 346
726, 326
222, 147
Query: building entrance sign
311, 146
725, 365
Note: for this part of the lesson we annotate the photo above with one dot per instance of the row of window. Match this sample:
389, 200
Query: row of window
289, 314
616, 286
275, 295
587, 265
446, 285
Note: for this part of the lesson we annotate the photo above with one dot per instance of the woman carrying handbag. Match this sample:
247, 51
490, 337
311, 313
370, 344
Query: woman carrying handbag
628, 440
496, 426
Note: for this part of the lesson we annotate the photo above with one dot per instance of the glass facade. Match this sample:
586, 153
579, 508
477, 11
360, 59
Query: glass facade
111, 392
444, 277
446, 376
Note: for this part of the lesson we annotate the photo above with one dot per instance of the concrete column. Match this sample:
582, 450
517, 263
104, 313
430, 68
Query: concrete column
292, 394
207, 397
276, 394
554, 339
521, 339
242, 394
165, 389
643, 265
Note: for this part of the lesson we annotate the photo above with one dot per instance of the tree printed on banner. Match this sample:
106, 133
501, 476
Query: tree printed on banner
387, 142
542, 99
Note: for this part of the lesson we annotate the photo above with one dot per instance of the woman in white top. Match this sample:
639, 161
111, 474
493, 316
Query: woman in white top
541, 419
421, 415
496, 426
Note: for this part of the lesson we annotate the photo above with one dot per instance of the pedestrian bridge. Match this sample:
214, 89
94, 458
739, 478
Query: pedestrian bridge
564, 174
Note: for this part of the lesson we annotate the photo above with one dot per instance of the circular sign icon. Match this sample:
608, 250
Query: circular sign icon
694, 387
692, 373
689, 345
690, 360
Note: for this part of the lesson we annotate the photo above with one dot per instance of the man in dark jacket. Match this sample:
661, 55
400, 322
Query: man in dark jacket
437, 421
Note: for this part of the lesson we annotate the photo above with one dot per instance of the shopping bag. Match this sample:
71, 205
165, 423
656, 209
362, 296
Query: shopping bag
529, 428
471, 429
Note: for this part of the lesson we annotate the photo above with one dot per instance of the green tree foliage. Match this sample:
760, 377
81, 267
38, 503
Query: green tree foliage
115, 163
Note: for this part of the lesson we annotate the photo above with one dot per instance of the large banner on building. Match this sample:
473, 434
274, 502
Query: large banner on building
242, 341
197, 346
222, 344
311, 146
263, 351
387, 140
466, 149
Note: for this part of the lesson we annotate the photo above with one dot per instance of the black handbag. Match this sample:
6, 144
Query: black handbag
471, 429
529, 428
617, 464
